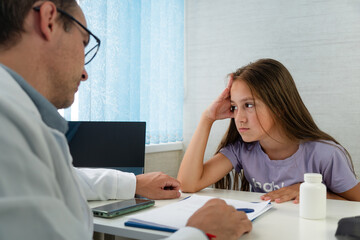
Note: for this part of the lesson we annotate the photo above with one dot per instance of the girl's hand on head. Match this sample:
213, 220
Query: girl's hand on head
284, 194
231, 79
220, 108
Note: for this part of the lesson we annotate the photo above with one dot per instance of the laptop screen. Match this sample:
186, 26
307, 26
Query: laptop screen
118, 145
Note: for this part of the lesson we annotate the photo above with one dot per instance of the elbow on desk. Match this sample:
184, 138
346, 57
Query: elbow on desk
189, 188
185, 190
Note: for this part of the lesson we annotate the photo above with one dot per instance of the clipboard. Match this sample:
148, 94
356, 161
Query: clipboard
172, 217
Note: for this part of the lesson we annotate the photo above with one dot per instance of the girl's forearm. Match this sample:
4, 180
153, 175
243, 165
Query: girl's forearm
191, 168
331, 195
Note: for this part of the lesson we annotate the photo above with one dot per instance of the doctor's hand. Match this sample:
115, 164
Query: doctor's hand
284, 194
219, 219
220, 108
157, 185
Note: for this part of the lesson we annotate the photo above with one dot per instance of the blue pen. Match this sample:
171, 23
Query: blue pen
185, 198
246, 210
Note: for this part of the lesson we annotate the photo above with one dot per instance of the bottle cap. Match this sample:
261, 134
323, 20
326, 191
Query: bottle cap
313, 177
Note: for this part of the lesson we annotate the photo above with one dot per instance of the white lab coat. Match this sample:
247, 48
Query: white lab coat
42, 196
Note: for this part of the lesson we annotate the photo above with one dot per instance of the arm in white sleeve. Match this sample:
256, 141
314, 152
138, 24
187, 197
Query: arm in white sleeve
104, 184
188, 233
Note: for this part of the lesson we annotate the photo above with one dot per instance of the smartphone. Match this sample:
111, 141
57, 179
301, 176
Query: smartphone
119, 208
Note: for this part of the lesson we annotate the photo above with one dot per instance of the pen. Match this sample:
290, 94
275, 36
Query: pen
246, 210
185, 198
210, 236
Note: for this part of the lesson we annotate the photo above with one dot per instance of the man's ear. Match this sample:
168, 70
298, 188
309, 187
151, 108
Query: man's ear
47, 18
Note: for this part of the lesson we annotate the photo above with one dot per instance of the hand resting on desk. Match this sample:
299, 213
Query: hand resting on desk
284, 194
293, 192
219, 219
157, 185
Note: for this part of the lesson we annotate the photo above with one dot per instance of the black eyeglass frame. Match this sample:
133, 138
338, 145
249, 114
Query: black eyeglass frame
85, 28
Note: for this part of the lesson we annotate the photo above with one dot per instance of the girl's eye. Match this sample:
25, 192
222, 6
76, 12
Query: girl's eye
249, 105
233, 108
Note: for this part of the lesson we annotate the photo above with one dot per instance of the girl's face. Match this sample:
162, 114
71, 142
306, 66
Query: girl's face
252, 124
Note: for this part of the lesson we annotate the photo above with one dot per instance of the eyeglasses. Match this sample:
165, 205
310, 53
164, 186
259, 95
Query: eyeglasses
91, 49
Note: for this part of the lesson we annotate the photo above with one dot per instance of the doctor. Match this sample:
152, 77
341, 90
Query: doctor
42, 196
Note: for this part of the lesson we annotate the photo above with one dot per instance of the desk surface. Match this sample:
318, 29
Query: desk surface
280, 222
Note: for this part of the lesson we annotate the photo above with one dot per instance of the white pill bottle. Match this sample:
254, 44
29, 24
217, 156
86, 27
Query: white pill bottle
312, 197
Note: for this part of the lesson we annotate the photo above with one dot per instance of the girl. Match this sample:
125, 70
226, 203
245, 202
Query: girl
272, 140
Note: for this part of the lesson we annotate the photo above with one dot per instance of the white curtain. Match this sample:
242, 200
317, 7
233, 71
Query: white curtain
138, 72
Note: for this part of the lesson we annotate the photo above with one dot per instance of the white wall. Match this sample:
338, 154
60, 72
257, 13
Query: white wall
318, 41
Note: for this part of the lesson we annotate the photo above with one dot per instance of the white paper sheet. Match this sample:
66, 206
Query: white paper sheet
176, 215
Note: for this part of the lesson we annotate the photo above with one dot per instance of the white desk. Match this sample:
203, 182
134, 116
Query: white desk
280, 222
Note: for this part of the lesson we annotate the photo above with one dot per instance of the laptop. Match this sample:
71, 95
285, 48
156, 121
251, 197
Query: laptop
117, 145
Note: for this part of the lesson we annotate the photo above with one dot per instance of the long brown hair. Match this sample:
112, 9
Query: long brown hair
273, 84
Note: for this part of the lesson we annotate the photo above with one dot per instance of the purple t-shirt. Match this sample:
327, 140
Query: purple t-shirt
265, 175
